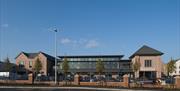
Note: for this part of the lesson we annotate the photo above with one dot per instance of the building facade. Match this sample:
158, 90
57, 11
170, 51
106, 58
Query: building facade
26, 62
1, 66
177, 69
114, 66
151, 66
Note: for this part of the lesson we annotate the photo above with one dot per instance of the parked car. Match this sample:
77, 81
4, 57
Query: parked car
170, 80
42, 78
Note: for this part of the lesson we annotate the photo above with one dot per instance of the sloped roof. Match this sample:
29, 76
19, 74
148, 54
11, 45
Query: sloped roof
2, 67
146, 50
177, 60
49, 57
33, 55
28, 55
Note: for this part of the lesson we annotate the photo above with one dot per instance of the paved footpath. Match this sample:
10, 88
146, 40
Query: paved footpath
20, 88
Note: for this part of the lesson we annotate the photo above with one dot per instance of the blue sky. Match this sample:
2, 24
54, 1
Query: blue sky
90, 27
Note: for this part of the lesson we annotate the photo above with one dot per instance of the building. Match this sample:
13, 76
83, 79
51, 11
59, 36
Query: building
177, 70
26, 62
1, 66
7, 70
150, 61
86, 65
151, 66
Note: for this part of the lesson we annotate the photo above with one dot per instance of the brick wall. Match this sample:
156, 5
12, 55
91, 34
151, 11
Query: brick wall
125, 82
29, 81
177, 82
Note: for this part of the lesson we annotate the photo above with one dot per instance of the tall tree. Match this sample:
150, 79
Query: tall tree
7, 65
37, 66
65, 68
99, 66
171, 66
136, 66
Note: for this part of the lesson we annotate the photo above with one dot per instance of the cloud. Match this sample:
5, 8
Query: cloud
4, 25
80, 43
92, 44
66, 41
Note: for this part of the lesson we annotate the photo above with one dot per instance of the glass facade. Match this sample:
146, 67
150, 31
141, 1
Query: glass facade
88, 64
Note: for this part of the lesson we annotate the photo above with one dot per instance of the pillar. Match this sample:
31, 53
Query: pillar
177, 82
30, 78
77, 79
126, 80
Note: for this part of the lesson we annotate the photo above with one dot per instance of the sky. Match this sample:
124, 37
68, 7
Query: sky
89, 27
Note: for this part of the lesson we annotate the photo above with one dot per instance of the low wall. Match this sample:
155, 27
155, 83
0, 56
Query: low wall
15, 82
75, 82
44, 82
53, 83
177, 82
29, 81
110, 84
122, 84
88, 84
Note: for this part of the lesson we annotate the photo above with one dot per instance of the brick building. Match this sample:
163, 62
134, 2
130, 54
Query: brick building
26, 62
150, 61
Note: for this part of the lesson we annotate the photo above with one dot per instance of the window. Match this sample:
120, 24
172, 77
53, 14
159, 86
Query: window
86, 59
93, 59
148, 63
30, 64
71, 59
78, 59
77, 67
21, 62
89, 59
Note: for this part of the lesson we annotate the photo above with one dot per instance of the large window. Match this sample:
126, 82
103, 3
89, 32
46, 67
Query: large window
30, 64
148, 63
111, 65
21, 62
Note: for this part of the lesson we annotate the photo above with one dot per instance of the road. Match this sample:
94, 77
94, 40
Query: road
14, 88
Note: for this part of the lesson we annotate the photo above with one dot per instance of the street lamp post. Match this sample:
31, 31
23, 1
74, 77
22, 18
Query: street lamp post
0, 45
55, 55
1, 39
